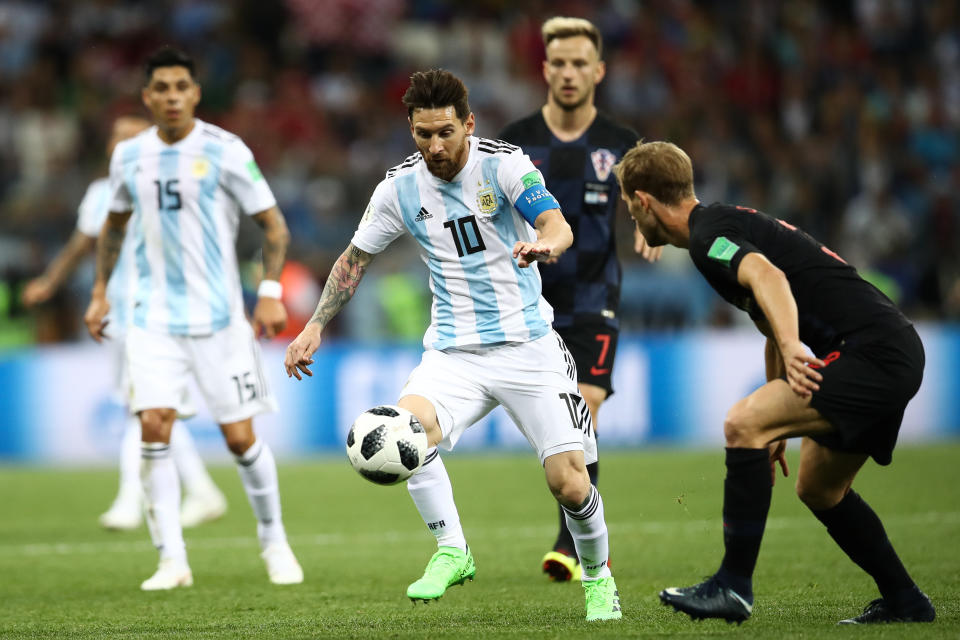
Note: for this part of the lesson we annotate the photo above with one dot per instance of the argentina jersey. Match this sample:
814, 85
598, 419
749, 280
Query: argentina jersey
91, 215
186, 200
466, 229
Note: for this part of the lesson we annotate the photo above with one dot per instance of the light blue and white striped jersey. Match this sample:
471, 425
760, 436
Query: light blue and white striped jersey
187, 198
466, 229
91, 215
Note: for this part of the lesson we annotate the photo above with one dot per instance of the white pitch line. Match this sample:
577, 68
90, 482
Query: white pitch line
673, 527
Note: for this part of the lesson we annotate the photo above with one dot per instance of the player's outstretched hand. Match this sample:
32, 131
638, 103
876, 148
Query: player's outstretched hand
300, 352
777, 450
269, 317
802, 374
527, 253
94, 317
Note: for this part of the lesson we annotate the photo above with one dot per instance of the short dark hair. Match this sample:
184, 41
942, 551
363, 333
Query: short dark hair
168, 57
662, 169
435, 89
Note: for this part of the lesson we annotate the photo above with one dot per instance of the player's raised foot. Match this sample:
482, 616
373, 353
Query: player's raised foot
448, 566
603, 599
560, 567
170, 575
282, 565
709, 599
125, 514
880, 611
202, 506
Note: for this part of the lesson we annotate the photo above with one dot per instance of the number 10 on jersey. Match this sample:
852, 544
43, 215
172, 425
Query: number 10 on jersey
462, 237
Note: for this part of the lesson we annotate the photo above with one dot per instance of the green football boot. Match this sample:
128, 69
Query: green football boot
603, 599
447, 567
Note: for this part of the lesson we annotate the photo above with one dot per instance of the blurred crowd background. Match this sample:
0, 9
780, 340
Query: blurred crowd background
840, 117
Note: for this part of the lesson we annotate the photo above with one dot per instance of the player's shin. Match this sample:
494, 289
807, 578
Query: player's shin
432, 494
161, 488
747, 490
589, 531
258, 472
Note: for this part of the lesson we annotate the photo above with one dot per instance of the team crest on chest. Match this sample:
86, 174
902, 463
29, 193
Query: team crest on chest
200, 168
603, 161
487, 201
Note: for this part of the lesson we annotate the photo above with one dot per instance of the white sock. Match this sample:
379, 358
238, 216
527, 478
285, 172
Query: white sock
258, 472
589, 533
193, 474
130, 485
161, 488
433, 495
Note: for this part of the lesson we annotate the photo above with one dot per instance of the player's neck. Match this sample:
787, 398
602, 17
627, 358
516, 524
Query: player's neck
172, 136
568, 125
679, 223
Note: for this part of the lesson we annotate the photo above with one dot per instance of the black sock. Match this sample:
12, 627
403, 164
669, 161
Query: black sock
564, 541
746, 501
856, 528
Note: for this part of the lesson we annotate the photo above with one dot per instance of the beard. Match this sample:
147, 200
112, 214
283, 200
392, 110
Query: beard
448, 168
564, 104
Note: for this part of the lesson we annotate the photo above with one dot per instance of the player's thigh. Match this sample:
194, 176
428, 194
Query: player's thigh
230, 374
772, 412
539, 392
159, 369
825, 475
452, 385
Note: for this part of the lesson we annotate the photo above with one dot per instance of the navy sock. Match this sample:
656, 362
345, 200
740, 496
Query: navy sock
855, 527
746, 500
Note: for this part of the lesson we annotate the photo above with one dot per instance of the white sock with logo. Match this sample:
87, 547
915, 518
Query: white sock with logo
258, 472
193, 474
433, 496
161, 489
589, 531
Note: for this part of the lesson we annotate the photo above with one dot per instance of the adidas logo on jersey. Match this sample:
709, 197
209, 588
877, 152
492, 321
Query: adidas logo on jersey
423, 215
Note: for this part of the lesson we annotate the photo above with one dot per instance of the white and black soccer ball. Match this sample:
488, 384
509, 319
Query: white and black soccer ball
386, 444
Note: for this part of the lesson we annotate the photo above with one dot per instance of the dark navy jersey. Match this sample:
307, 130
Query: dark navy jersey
834, 304
584, 284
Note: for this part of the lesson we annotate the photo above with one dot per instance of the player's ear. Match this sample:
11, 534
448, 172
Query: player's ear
470, 124
546, 71
601, 72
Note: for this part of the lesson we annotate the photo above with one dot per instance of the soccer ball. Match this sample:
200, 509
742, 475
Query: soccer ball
386, 444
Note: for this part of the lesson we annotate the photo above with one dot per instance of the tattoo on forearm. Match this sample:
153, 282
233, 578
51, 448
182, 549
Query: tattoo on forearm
341, 285
108, 251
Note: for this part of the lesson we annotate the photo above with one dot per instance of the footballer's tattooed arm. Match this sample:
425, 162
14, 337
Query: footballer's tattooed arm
109, 244
344, 278
276, 238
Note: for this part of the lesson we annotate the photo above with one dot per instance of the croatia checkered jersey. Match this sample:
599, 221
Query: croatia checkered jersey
187, 199
466, 229
91, 215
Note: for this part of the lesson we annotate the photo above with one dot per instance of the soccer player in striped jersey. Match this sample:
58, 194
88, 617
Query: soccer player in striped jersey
575, 147
202, 500
483, 218
182, 185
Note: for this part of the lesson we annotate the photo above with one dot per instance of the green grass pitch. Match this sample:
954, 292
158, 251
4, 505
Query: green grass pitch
360, 545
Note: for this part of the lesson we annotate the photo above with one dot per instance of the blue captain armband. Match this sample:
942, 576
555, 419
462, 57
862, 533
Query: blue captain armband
535, 201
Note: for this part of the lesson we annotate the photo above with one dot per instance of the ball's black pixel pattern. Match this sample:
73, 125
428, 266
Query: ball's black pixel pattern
415, 425
380, 477
409, 456
384, 411
350, 439
373, 442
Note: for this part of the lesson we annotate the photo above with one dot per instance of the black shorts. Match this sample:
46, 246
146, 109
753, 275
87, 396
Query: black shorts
594, 348
865, 390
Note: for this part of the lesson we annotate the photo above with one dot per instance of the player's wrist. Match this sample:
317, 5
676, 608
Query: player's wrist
270, 289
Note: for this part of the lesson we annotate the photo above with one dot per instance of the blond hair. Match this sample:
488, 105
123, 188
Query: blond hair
564, 27
661, 169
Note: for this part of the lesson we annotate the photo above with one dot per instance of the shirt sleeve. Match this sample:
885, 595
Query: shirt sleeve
523, 185
93, 209
719, 247
242, 180
381, 223
121, 200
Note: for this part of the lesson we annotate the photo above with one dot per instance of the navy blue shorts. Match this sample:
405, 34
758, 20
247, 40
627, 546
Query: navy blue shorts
594, 349
864, 392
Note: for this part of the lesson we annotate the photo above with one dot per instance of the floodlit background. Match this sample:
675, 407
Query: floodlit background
839, 117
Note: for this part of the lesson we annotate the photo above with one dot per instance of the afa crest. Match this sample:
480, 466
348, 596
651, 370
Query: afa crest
487, 201
200, 168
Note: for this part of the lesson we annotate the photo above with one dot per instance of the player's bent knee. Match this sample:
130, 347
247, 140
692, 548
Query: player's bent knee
736, 426
239, 436
156, 424
817, 496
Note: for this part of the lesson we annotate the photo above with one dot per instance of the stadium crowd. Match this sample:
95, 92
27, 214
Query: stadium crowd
840, 117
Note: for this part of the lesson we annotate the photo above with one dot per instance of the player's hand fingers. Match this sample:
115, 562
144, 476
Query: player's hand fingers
783, 466
302, 366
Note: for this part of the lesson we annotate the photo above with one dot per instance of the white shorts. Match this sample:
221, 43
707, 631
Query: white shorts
535, 382
225, 365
